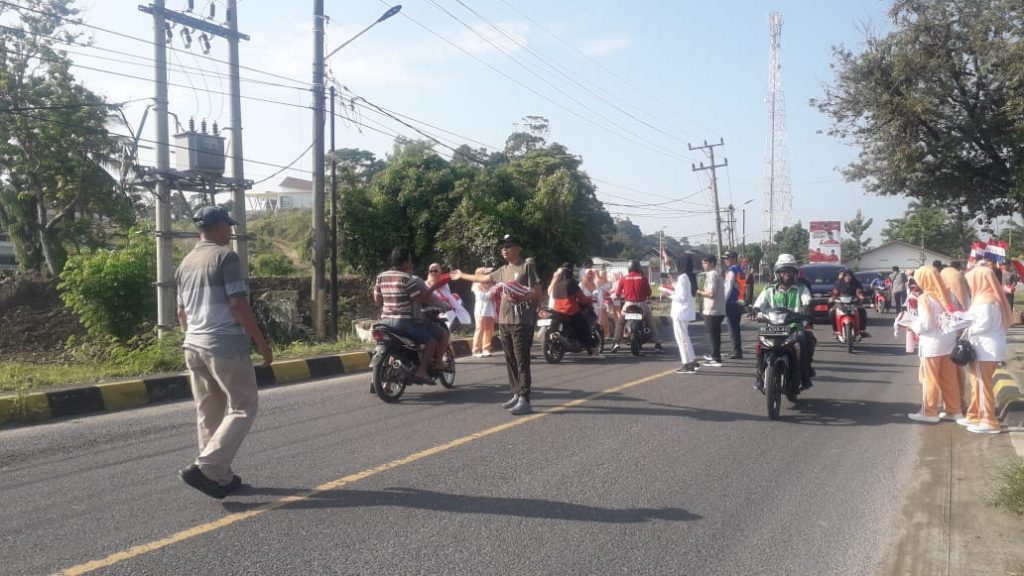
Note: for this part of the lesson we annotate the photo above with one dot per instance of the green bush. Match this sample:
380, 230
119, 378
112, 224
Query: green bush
1009, 493
111, 291
273, 265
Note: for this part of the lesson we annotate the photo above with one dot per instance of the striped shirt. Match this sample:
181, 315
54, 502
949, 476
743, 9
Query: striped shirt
207, 279
396, 289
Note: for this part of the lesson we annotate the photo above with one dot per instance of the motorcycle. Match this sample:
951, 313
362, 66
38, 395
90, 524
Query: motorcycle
397, 356
847, 327
636, 331
881, 300
557, 337
777, 344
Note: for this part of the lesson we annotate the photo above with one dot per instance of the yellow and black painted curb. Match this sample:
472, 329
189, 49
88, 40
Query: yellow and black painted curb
1009, 394
39, 406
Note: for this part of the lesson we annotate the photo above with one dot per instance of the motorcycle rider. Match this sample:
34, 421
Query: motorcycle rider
794, 296
635, 289
572, 302
397, 291
848, 285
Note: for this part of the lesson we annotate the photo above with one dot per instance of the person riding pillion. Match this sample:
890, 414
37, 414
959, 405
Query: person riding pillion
635, 290
787, 293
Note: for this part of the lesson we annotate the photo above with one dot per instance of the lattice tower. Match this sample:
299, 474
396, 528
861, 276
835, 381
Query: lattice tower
778, 198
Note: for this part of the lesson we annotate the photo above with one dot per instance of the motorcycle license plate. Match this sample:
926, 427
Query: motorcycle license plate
544, 322
634, 316
774, 329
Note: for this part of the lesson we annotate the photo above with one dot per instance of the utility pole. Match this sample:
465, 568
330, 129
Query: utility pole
241, 244
714, 183
334, 228
165, 285
319, 234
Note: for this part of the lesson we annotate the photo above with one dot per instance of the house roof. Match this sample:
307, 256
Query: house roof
937, 255
296, 184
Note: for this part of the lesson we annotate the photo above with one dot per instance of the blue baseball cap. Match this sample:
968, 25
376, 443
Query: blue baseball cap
209, 215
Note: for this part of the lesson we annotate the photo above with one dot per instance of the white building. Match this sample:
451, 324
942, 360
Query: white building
291, 193
898, 253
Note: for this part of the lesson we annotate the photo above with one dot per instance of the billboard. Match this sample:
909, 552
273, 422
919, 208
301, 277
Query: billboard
826, 245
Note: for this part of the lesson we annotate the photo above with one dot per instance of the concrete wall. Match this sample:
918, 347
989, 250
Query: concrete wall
902, 255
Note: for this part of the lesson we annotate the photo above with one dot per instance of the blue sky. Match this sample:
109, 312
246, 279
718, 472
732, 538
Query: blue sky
701, 70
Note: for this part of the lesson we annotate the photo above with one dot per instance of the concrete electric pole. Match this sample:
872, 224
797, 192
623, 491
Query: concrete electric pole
317, 294
714, 183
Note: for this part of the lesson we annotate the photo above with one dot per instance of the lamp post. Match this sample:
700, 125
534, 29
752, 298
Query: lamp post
319, 225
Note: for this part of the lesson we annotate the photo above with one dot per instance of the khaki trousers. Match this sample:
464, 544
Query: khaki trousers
982, 409
224, 389
940, 380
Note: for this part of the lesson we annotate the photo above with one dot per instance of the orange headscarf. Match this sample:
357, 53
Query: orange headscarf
955, 282
927, 277
985, 288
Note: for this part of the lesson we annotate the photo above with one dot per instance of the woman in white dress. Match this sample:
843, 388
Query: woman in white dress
484, 313
990, 315
591, 289
684, 311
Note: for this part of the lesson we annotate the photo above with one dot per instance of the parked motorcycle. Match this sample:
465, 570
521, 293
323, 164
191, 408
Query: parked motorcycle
777, 342
397, 356
557, 336
847, 324
636, 331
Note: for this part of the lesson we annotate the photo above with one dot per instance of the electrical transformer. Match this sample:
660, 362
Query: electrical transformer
199, 153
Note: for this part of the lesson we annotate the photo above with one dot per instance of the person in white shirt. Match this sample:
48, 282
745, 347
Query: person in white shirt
684, 311
937, 369
991, 316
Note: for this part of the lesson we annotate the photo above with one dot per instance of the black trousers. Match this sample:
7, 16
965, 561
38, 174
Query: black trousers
733, 313
899, 299
713, 324
516, 340
580, 326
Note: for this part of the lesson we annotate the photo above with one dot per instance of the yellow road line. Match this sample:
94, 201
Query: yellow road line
230, 519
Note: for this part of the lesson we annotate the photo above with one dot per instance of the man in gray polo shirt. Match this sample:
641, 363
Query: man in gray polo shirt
214, 313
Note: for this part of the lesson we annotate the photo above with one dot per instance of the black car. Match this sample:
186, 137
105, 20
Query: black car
820, 278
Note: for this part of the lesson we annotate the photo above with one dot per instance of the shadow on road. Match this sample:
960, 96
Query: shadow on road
830, 412
463, 504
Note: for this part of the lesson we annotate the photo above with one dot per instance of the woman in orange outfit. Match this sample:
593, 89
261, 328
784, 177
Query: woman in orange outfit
991, 316
934, 348
960, 300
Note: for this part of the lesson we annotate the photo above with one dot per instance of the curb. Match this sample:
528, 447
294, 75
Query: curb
40, 406
1009, 394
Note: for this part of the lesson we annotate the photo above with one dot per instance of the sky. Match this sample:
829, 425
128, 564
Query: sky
626, 85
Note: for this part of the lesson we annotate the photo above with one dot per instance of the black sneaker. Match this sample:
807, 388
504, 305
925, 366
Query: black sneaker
807, 385
738, 356
195, 478
657, 346
864, 334
686, 369
234, 485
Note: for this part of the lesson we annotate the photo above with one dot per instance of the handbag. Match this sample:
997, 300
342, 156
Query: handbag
963, 351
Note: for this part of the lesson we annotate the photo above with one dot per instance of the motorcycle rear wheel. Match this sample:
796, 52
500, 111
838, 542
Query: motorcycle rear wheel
553, 352
634, 341
388, 380
447, 377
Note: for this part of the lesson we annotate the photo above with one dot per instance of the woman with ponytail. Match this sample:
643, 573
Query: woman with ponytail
991, 316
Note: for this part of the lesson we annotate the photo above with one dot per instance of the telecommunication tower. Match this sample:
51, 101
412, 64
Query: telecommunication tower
778, 199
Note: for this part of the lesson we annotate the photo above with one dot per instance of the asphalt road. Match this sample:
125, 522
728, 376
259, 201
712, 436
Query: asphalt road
629, 469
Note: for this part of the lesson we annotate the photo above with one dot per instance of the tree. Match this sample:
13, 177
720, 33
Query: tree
932, 228
855, 243
55, 194
793, 240
937, 105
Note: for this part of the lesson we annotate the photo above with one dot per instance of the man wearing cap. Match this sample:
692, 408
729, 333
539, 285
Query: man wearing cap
733, 302
214, 313
516, 318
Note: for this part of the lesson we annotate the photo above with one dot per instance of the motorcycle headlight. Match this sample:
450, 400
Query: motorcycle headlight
777, 317
767, 342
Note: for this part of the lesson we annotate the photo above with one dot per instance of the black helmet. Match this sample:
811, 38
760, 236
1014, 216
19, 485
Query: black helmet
634, 266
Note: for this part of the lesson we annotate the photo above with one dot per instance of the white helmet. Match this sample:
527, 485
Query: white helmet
786, 261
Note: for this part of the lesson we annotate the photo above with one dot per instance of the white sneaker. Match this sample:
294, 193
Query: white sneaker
966, 422
477, 355
713, 364
920, 417
709, 357
950, 417
982, 429
485, 354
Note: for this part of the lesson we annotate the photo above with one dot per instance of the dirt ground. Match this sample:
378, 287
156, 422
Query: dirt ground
34, 324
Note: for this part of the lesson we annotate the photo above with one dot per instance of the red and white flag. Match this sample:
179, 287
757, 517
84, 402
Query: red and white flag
996, 250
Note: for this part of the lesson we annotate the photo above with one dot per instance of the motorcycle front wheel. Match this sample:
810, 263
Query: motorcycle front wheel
773, 390
849, 335
447, 377
388, 380
553, 352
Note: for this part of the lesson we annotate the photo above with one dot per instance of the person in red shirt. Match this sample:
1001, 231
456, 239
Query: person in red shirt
635, 289
571, 301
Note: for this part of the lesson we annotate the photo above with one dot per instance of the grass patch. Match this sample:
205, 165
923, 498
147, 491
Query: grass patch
98, 363
1009, 493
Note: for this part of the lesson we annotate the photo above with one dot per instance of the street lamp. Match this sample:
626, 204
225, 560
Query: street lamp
319, 234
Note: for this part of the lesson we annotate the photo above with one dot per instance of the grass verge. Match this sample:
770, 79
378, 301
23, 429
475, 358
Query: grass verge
1009, 491
129, 362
